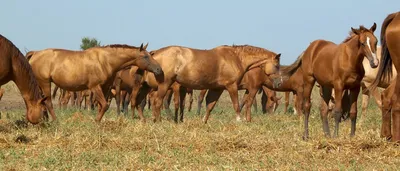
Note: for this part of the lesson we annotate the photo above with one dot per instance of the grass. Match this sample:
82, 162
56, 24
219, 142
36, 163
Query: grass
270, 142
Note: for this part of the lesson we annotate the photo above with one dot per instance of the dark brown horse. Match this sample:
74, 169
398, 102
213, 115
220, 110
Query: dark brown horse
14, 67
338, 67
216, 69
93, 69
390, 41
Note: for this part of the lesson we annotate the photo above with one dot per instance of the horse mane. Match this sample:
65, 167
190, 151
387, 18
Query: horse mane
251, 51
120, 46
21, 64
351, 33
291, 69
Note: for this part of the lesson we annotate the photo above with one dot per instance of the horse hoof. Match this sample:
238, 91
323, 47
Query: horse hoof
238, 119
305, 138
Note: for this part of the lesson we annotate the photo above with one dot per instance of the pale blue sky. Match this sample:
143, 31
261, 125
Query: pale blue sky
281, 26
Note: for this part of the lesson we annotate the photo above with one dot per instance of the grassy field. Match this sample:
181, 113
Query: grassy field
270, 142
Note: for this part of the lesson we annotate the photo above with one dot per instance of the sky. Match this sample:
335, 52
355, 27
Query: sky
281, 26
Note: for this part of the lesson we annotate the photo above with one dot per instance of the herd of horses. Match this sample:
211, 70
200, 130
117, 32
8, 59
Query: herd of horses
134, 75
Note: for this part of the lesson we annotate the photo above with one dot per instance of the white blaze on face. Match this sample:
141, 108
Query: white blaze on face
375, 59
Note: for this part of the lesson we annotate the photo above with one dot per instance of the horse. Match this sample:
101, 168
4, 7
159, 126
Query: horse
337, 66
216, 69
92, 69
390, 36
14, 67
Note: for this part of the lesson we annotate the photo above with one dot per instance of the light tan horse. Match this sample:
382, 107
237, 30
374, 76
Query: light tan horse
14, 67
217, 69
338, 67
92, 69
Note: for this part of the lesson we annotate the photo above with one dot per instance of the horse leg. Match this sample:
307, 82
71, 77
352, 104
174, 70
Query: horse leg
46, 89
377, 97
365, 98
387, 94
338, 111
102, 102
176, 93
182, 96
122, 102
264, 100
233, 93
168, 98
190, 93
326, 96
353, 109
250, 97
162, 90
126, 102
211, 100
244, 99
200, 100
139, 94
79, 99
287, 96
309, 82
255, 104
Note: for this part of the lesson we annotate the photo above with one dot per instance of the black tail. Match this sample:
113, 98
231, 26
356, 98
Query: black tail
385, 68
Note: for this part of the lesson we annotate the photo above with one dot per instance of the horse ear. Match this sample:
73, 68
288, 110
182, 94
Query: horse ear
278, 57
373, 28
141, 47
145, 46
355, 31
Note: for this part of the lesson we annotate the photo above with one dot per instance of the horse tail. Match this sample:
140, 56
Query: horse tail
29, 55
291, 69
385, 68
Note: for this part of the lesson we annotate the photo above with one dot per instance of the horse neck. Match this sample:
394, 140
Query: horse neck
119, 58
355, 57
248, 60
25, 80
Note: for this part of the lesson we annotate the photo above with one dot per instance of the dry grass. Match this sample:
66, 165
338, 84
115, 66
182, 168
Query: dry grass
271, 142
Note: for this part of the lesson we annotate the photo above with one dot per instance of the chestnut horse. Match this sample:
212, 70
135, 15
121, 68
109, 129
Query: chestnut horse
217, 69
92, 69
338, 67
390, 41
14, 67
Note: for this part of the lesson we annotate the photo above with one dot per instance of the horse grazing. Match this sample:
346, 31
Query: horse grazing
216, 69
93, 69
338, 67
390, 42
14, 67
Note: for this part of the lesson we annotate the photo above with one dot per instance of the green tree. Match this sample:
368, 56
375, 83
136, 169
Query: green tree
88, 42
